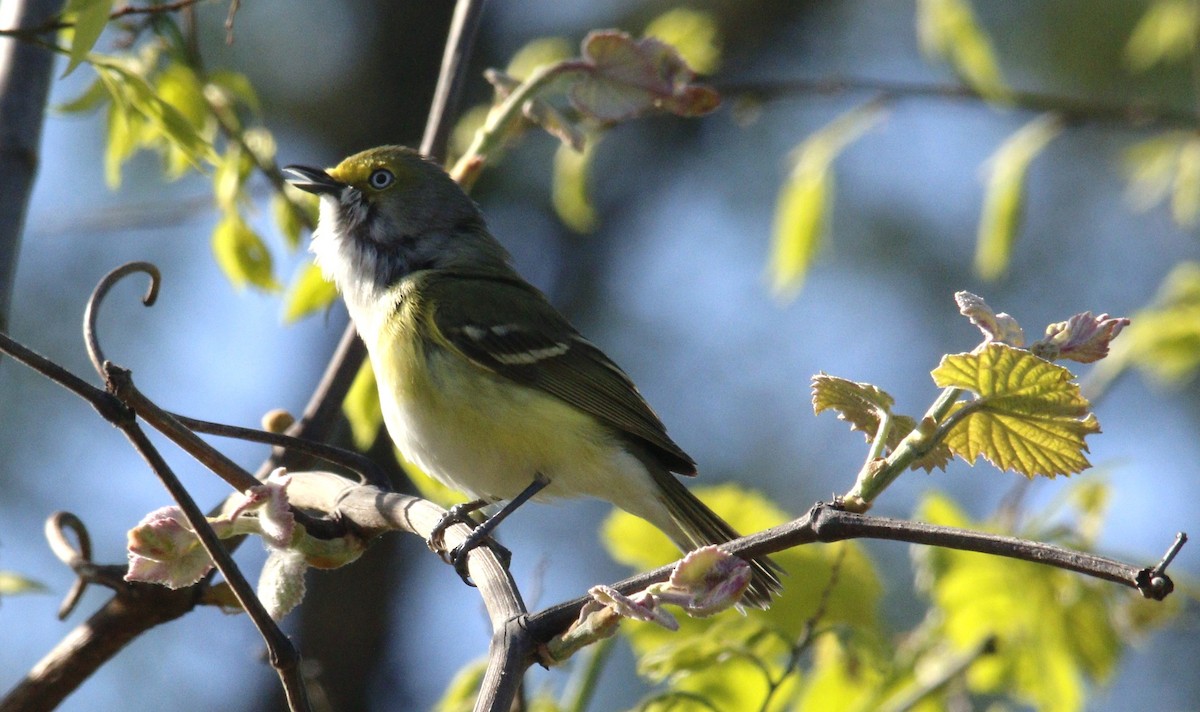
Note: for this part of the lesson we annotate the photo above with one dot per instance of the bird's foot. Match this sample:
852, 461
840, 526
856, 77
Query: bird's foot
458, 514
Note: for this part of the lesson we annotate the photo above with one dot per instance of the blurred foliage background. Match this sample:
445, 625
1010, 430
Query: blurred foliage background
672, 281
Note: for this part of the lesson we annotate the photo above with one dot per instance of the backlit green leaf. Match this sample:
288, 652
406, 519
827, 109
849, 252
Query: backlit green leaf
569, 187
242, 255
948, 30
90, 17
1004, 196
806, 197
1051, 639
463, 689
1163, 340
1185, 198
693, 33
92, 98
13, 583
309, 292
1028, 415
1166, 33
362, 408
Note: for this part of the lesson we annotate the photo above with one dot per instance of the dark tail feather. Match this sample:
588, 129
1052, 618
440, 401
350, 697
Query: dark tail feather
702, 527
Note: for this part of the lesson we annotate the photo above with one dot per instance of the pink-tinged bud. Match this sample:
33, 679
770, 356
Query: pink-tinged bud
163, 549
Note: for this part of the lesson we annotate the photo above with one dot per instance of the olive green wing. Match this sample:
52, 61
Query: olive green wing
508, 327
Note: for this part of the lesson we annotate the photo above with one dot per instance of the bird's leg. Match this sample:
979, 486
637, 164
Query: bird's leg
458, 555
458, 514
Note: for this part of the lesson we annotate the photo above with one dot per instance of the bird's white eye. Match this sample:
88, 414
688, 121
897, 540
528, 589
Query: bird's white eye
381, 178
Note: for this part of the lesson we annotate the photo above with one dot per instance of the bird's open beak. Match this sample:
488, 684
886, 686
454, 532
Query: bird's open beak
313, 180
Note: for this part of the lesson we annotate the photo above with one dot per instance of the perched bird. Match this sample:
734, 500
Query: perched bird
483, 383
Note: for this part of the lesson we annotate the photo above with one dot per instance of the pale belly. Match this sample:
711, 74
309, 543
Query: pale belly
489, 437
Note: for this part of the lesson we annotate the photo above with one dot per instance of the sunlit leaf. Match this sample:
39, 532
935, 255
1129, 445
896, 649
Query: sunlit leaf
1051, 639
1028, 415
90, 18
281, 582
838, 679
1185, 198
1166, 33
806, 197
1150, 166
1004, 196
948, 30
693, 33
308, 293
362, 409
242, 255
569, 187
1163, 340
288, 215
95, 96
537, 53
236, 86
463, 689
179, 87
13, 583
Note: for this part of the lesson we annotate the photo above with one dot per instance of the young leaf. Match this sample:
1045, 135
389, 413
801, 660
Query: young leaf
569, 187
90, 18
1050, 639
693, 33
241, 254
1150, 167
627, 77
361, 407
1185, 198
1028, 416
281, 583
309, 292
92, 98
1083, 338
1004, 196
13, 583
806, 198
947, 29
995, 327
1163, 340
1166, 33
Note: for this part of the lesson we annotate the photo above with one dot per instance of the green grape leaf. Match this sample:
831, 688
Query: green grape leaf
569, 187
1028, 416
91, 16
13, 583
693, 33
242, 255
622, 78
948, 29
1165, 33
1004, 198
361, 407
806, 198
309, 292
838, 679
1058, 634
862, 405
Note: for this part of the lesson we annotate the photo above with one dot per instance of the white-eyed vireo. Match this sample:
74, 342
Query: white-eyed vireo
483, 383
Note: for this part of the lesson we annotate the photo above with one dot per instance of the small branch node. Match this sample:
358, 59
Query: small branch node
1154, 582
